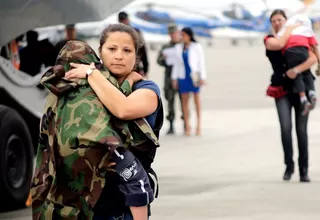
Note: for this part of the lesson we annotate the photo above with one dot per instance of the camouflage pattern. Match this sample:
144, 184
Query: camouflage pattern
169, 91
76, 135
172, 28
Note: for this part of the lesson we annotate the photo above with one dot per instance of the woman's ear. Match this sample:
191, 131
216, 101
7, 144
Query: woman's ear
99, 50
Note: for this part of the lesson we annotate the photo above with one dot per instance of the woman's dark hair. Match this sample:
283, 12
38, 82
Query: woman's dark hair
188, 31
124, 29
278, 12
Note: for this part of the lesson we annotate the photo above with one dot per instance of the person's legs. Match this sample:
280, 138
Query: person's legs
299, 86
284, 112
170, 94
197, 102
185, 110
308, 79
184, 124
302, 136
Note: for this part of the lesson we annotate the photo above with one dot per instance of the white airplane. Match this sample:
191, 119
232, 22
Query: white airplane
191, 9
255, 8
154, 34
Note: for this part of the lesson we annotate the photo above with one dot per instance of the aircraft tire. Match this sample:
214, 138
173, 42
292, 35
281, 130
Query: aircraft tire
16, 160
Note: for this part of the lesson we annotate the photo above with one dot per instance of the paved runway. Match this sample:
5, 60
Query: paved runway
232, 172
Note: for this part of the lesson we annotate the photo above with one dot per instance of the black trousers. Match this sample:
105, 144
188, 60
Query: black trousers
305, 80
284, 108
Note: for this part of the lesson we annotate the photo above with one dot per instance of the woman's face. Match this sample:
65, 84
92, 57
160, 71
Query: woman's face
277, 21
185, 37
118, 53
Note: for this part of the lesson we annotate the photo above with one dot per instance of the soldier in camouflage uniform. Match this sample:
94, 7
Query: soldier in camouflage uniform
77, 138
169, 91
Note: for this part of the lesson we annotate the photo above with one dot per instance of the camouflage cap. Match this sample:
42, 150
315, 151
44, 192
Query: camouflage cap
172, 28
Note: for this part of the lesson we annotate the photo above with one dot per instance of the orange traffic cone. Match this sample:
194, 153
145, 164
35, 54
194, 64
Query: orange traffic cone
29, 201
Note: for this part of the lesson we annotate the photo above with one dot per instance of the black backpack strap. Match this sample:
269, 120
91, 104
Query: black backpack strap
159, 119
160, 113
147, 158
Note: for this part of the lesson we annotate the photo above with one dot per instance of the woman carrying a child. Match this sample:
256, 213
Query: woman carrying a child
287, 96
118, 51
83, 170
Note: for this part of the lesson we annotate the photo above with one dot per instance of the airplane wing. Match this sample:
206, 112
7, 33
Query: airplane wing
19, 16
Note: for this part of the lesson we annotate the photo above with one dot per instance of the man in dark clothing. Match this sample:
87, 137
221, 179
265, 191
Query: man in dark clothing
47, 52
143, 65
169, 91
30, 56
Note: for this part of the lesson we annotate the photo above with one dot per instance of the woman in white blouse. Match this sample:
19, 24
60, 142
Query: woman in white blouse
188, 75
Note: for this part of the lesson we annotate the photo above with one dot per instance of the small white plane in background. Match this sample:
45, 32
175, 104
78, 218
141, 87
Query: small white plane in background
245, 20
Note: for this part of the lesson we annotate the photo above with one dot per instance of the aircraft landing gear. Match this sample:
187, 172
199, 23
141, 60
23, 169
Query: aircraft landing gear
16, 159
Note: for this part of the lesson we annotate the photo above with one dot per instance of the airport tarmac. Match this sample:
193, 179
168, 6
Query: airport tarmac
234, 170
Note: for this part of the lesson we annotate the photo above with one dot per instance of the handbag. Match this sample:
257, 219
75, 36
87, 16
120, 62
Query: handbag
318, 70
195, 77
276, 91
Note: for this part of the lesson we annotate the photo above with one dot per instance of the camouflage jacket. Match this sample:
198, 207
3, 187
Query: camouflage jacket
76, 135
161, 60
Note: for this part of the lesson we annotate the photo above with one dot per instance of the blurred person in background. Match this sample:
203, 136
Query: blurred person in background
70, 33
301, 40
188, 75
30, 56
169, 92
143, 64
285, 98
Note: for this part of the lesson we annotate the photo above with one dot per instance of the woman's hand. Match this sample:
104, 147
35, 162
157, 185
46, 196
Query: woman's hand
292, 74
79, 71
175, 84
134, 77
201, 82
110, 167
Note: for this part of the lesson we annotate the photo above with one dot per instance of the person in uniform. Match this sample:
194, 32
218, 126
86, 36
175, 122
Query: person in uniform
169, 91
